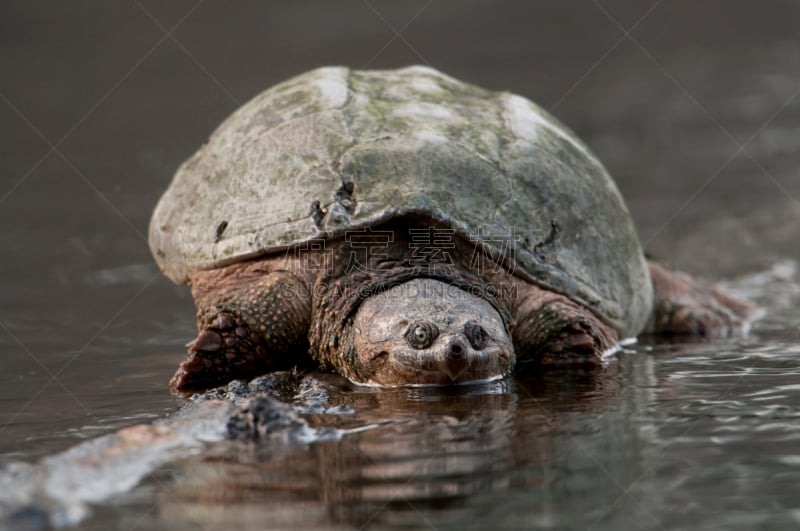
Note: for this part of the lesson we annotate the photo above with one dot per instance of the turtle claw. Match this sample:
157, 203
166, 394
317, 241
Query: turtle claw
225, 351
215, 356
574, 346
208, 340
580, 341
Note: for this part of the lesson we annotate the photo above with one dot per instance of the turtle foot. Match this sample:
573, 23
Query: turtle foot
553, 330
219, 354
691, 306
578, 340
252, 318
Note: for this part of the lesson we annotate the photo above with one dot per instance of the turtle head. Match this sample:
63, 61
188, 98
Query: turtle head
428, 332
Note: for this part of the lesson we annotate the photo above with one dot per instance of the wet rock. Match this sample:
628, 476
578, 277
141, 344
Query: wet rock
262, 418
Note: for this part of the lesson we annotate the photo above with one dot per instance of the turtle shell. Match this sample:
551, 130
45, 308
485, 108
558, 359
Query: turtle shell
336, 149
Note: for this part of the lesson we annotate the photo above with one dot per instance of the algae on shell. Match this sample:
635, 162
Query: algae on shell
492, 165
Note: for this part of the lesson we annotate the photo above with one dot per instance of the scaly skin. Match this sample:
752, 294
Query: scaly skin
252, 318
551, 329
271, 313
689, 306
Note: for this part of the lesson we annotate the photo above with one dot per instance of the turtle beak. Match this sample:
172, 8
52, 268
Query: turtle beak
456, 359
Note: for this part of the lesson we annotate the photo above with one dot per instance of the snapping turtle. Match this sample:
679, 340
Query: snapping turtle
403, 227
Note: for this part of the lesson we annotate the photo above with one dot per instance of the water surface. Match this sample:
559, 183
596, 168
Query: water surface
695, 115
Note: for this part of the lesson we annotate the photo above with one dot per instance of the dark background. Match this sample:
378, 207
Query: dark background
692, 106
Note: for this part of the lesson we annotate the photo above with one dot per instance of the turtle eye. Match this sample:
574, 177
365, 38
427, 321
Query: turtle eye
476, 334
421, 334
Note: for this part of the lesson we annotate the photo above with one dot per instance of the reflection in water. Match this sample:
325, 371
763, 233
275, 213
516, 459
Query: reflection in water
710, 428
496, 455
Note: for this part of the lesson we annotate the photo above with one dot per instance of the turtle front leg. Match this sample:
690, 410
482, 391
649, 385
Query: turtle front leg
252, 318
550, 329
687, 305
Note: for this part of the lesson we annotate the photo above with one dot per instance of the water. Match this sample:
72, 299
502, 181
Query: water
673, 436
682, 435
676, 436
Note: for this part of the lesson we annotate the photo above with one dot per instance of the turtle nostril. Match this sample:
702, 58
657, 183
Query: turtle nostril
456, 361
456, 349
